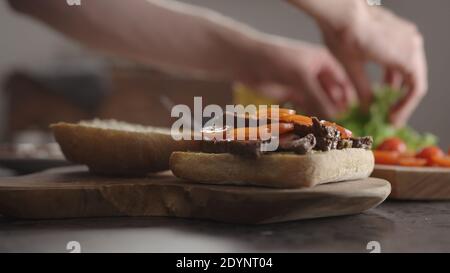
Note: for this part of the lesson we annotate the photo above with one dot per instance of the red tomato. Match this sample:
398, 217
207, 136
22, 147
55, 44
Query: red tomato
429, 153
393, 144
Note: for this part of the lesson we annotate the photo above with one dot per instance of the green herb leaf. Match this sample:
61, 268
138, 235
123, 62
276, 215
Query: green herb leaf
375, 122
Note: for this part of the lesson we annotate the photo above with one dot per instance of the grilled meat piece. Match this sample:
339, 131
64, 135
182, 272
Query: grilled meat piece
304, 145
363, 142
326, 143
245, 148
302, 130
321, 130
299, 145
327, 137
286, 140
344, 144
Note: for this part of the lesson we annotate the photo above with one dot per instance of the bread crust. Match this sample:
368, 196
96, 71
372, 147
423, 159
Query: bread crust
108, 150
277, 170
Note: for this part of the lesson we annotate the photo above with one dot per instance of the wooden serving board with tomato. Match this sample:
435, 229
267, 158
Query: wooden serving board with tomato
421, 175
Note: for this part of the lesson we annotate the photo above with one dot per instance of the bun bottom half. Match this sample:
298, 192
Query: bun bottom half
276, 170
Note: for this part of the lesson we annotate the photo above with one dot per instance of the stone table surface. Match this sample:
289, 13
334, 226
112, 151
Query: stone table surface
396, 226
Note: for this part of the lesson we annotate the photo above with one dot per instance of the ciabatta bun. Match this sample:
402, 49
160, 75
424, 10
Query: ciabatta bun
277, 170
118, 148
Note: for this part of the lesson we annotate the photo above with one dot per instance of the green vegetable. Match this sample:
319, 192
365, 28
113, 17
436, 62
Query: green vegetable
375, 122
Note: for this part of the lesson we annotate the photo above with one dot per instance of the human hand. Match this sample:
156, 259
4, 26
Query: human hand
363, 34
304, 74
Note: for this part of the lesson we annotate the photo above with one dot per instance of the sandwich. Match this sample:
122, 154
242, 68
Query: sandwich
310, 152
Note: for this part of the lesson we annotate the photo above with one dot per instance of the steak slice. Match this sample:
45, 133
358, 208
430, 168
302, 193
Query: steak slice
326, 144
321, 130
302, 130
304, 145
327, 136
296, 144
245, 148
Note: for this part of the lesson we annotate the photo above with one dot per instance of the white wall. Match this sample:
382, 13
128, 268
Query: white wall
23, 43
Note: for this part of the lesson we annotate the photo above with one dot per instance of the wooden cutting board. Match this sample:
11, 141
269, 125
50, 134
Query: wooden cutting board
73, 193
416, 183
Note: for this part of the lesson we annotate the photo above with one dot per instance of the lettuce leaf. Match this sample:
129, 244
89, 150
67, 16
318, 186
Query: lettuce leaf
375, 122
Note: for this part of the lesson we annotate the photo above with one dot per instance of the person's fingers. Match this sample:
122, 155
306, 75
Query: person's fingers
393, 78
416, 85
357, 73
319, 101
273, 91
332, 89
402, 110
406, 105
299, 100
337, 86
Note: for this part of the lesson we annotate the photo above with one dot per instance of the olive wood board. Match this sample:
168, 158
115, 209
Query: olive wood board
72, 192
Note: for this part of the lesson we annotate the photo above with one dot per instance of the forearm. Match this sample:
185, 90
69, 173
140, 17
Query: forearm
163, 33
333, 13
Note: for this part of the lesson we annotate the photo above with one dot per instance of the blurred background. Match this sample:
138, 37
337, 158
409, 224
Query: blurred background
46, 78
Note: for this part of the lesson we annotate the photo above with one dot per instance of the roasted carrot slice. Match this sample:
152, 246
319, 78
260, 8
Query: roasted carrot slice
386, 157
297, 119
441, 161
412, 161
259, 132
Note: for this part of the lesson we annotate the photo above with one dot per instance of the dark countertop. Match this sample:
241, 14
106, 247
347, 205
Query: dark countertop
397, 226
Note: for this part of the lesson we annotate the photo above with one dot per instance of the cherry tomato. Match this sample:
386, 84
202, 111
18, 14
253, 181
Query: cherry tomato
393, 144
429, 153
386, 157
